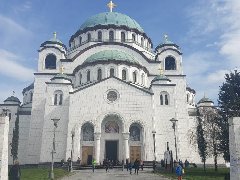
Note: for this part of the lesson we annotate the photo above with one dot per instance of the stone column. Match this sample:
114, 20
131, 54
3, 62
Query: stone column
97, 137
126, 146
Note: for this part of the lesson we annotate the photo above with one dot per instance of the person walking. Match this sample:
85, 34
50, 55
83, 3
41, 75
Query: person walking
122, 165
107, 166
93, 164
127, 162
179, 172
130, 167
69, 164
15, 172
136, 166
141, 164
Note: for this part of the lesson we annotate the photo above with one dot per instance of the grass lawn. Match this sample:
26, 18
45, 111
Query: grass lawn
198, 174
40, 173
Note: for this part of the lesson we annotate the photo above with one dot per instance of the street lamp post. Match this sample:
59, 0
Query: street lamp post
73, 134
174, 122
55, 121
154, 149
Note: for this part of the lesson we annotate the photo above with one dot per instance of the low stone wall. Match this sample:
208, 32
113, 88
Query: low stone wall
4, 128
234, 146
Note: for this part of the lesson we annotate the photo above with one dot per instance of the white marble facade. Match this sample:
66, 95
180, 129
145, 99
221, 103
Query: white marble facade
106, 93
4, 128
234, 146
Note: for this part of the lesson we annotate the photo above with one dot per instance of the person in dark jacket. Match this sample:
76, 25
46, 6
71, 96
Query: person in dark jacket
136, 166
15, 172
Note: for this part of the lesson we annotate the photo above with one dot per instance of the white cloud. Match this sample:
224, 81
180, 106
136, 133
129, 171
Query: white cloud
215, 23
10, 26
10, 67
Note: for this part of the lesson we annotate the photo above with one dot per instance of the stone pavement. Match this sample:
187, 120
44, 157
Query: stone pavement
113, 174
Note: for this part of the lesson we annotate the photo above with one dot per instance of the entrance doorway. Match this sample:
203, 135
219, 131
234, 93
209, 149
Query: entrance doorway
135, 153
111, 149
87, 155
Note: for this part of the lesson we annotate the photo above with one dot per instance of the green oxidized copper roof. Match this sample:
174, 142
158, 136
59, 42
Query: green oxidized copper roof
205, 99
12, 98
114, 18
107, 55
161, 77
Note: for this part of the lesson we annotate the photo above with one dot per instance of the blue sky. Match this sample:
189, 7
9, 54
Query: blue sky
208, 32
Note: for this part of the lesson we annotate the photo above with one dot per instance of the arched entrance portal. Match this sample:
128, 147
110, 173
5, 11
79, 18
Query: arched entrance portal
111, 138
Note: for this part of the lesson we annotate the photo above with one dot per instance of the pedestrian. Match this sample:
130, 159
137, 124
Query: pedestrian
186, 163
122, 165
136, 166
107, 166
69, 164
93, 164
179, 172
141, 164
15, 172
127, 162
130, 167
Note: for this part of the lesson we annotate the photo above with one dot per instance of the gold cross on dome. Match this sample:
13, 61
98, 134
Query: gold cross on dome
55, 35
160, 70
111, 5
166, 37
61, 69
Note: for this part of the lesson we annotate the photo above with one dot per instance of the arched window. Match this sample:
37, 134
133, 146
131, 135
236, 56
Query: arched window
134, 133
58, 98
161, 99
74, 44
164, 98
111, 36
124, 75
89, 37
143, 79
88, 132
111, 127
134, 77
88, 75
100, 36
187, 98
80, 78
50, 61
80, 39
111, 72
123, 39
170, 63
99, 75
142, 42
133, 37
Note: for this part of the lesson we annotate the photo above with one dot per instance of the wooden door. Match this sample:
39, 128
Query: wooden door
87, 152
135, 153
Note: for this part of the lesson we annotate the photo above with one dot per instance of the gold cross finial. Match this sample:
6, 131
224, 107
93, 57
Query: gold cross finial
55, 35
111, 5
61, 69
160, 70
165, 37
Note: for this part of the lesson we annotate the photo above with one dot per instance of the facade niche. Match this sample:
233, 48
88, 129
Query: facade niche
170, 63
50, 61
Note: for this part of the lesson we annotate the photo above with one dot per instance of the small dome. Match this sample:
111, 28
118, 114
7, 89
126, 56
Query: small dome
53, 41
12, 99
108, 55
111, 18
205, 100
161, 77
31, 86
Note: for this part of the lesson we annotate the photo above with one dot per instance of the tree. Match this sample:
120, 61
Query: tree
211, 131
15, 138
201, 142
229, 104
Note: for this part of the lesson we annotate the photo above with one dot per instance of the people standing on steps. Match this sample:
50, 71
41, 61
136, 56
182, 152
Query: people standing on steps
136, 166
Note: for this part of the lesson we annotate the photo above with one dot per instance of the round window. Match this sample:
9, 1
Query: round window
112, 96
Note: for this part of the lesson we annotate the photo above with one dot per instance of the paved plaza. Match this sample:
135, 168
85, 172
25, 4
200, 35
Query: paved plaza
113, 174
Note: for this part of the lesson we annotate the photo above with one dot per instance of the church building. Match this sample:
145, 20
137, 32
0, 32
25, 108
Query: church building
108, 94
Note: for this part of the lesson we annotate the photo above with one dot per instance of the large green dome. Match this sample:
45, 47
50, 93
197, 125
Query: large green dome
111, 18
108, 55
